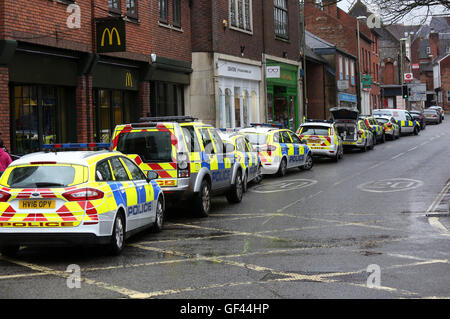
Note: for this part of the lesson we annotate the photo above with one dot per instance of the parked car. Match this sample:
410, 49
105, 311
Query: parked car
418, 116
375, 127
279, 149
245, 154
77, 197
432, 116
390, 126
441, 110
407, 123
353, 131
188, 155
321, 137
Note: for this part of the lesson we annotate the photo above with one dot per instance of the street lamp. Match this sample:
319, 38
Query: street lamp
359, 60
401, 66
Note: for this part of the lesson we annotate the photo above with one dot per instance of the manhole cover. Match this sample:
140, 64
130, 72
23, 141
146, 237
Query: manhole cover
282, 186
390, 185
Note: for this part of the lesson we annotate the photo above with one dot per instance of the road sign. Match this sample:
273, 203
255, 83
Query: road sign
408, 77
418, 92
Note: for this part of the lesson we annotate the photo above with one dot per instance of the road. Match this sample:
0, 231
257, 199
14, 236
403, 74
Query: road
353, 229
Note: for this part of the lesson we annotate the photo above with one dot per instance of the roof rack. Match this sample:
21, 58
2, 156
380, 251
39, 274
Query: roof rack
65, 146
180, 119
267, 125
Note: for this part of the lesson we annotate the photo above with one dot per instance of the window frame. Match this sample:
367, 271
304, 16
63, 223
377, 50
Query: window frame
166, 19
246, 27
115, 10
283, 10
136, 8
175, 23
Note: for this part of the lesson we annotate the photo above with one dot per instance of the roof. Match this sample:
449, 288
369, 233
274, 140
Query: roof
319, 44
70, 157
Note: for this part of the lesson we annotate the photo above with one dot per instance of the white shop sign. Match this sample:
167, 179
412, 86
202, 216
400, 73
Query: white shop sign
239, 70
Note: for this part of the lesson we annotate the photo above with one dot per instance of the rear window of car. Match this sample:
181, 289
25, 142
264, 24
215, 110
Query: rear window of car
151, 146
314, 130
382, 121
256, 139
36, 176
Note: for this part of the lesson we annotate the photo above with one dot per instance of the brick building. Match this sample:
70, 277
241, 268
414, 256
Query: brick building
55, 85
233, 44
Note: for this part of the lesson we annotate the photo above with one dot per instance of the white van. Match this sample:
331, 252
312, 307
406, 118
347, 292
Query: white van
404, 119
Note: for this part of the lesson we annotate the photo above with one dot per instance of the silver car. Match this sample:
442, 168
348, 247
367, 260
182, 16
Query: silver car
432, 116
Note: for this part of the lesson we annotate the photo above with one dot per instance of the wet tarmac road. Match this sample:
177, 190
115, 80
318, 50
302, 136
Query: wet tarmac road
355, 229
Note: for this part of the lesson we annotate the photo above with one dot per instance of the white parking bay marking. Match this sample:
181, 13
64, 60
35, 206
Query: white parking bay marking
282, 186
390, 185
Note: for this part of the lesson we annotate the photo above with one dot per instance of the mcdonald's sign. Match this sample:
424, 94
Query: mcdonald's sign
128, 80
111, 35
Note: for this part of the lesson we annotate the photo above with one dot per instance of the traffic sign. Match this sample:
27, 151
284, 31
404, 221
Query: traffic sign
408, 77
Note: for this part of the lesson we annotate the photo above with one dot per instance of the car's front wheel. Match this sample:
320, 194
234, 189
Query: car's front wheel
202, 200
159, 218
236, 191
118, 236
308, 163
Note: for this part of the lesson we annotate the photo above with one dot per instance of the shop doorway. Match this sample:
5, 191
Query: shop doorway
282, 107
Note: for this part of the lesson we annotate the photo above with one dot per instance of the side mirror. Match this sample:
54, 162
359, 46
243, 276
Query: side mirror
151, 175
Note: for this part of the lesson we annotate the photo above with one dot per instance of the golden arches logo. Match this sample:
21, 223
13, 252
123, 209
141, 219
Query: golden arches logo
128, 80
110, 36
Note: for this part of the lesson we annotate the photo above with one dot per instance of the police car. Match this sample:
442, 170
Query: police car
245, 155
76, 197
353, 131
405, 120
375, 127
188, 155
390, 126
279, 149
321, 137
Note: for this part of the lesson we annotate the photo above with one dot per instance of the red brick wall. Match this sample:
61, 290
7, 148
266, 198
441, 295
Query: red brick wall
84, 109
315, 91
445, 82
4, 107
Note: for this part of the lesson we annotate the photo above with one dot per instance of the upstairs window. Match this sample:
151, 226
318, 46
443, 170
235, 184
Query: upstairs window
241, 14
280, 13
176, 6
114, 5
163, 11
132, 8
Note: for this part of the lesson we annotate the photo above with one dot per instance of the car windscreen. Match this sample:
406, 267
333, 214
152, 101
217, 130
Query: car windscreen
151, 146
256, 139
382, 120
42, 176
314, 130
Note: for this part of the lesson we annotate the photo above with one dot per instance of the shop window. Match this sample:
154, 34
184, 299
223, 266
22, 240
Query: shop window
341, 69
255, 108
39, 116
166, 99
237, 107
245, 110
228, 113
281, 18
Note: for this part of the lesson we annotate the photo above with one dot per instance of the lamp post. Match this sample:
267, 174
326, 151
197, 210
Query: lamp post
359, 60
401, 65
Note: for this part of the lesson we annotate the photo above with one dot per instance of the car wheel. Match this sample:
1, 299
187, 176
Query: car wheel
364, 149
244, 183
383, 138
416, 131
259, 175
118, 236
202, 200
341, 155
283, 168
159, 218
308, 163
10, 250
236, 191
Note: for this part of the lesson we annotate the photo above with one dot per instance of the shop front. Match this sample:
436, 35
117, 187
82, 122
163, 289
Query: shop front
42, 90
238, 89
282, 94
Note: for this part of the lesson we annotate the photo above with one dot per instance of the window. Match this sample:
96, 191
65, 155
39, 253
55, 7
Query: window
346, 69
448, 96
152, 146
281, 18
190, 137
218, 143
295, 139
132, 8
341, 69
136, 173
207, 141
119, 171
352, 72
447, 49
176, 9
240, 14
428, 50
114, 5
286, 137
163, 11
103, 173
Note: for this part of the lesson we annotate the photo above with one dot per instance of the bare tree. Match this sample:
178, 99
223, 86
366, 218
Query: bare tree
393, 11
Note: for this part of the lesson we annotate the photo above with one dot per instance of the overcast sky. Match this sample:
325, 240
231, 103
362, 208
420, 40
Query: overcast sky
415, 17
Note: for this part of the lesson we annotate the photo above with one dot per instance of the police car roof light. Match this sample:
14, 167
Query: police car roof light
266, 125
75, 145
181, 119
144, 124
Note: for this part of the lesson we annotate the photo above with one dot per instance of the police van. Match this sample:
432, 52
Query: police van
189, 157
408, 125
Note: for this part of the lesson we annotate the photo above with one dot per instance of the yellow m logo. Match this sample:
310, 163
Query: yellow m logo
110, 35
128, 80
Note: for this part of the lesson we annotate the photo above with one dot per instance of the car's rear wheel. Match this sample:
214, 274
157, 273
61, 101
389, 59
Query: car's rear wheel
9, 250
259, 175
383, 138
236, 191
416, 130
202, 200
118, 236
245, 182
308, 163
159, 218
283, 168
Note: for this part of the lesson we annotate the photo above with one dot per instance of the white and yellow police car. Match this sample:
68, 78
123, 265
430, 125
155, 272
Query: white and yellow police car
279, 149
76, 197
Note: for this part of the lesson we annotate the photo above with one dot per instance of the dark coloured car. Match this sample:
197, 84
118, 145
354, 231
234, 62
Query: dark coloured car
418, 116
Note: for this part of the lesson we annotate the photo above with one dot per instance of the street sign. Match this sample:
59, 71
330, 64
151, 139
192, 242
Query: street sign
418, 92
415, 66
273, 72
366, 81
408, 77
342, 85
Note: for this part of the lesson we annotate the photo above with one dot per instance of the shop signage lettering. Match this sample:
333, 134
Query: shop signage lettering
239, 70
286, 77
128, 80
111, 36
273, 72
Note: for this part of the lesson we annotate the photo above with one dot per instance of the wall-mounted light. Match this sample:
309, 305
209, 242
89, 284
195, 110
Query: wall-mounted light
242, 50
225, 23
153, 56
284, 54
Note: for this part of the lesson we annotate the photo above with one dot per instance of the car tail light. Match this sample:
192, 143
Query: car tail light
183, 165
389, 124
270, 149
83, 194
360, 133
4, 196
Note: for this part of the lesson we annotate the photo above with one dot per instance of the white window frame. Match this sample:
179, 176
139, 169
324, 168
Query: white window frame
428, 50
341, 68
282, 9
235, 3
352, 72
448, 96
346, 69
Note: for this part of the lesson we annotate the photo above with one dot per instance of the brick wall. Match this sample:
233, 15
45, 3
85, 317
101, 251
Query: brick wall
445, 83
84, 109
4, 107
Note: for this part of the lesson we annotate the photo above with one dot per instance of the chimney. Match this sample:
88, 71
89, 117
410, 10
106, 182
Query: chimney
434, 43
330, 7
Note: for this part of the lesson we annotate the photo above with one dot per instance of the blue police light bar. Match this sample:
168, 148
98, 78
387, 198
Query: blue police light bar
75, 145
266, 125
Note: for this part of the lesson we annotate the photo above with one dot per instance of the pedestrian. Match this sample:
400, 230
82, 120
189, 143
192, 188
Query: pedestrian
5, 159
